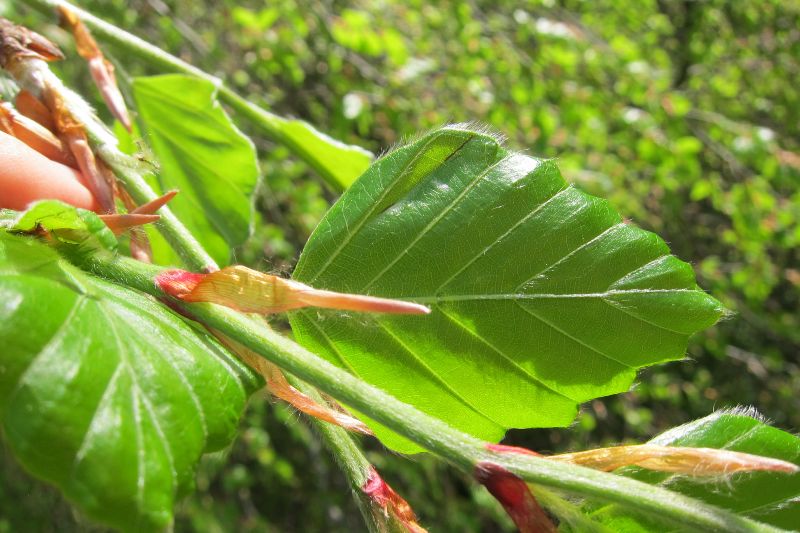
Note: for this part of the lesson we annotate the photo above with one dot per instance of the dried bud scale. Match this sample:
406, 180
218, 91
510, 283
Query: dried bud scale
250, 291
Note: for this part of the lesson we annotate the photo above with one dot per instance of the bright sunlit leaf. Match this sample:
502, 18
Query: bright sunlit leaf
106, 393
542, 297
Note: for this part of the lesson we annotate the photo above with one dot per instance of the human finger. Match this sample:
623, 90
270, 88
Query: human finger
27, 176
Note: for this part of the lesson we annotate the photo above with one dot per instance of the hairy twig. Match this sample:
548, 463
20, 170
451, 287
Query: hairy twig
460, 449
33, 75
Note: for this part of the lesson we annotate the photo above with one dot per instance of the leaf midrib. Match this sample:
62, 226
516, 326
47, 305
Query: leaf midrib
190, 154
437, 299
139, 394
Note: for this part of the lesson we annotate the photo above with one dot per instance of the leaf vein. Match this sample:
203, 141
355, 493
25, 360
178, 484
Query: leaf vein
190, 154
345, 363
140, 462
187, 385
635, 271
438, 379
146, 402
449, 207
618, 306
514, 364
51, 344
106, 392
563, 258
538, 296
570, 336
508, 232
422, 152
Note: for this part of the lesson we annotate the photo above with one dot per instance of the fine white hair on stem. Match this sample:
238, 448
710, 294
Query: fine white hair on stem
35, 76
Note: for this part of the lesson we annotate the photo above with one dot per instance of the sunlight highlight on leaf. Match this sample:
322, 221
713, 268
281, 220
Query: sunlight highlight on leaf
201, 153
104, 392
541, 296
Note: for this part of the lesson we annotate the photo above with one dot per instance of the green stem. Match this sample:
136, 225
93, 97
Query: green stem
431, 433
348, 455
271, 124
176, 234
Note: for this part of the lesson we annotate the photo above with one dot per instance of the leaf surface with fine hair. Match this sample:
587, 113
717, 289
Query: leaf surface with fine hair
542, 297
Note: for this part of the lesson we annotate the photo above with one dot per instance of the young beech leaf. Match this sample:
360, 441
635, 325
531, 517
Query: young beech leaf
687, 460
67, 224
769, 497
106, 393
541, 296
100, 68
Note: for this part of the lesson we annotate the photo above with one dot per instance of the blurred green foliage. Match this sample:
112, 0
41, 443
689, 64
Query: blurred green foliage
685, 114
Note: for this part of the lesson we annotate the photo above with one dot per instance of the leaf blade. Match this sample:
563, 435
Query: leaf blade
202, 154
338, 163
541, 294
91, 404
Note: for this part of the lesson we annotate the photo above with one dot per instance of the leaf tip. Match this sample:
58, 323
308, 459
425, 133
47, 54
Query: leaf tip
154, 205
118, 223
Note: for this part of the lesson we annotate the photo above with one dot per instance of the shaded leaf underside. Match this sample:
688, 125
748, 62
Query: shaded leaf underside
105, 392
542, 296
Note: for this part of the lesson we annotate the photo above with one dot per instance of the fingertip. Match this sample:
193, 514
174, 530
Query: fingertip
27, 176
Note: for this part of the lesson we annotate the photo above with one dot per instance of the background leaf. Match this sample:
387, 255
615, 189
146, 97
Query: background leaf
106, 393
201, 153
338, 163
542, 296
768, 497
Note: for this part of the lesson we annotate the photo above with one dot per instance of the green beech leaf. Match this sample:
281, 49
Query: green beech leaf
66, 223
772, 498
201, 153
542, 297
106, 393
338, 163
